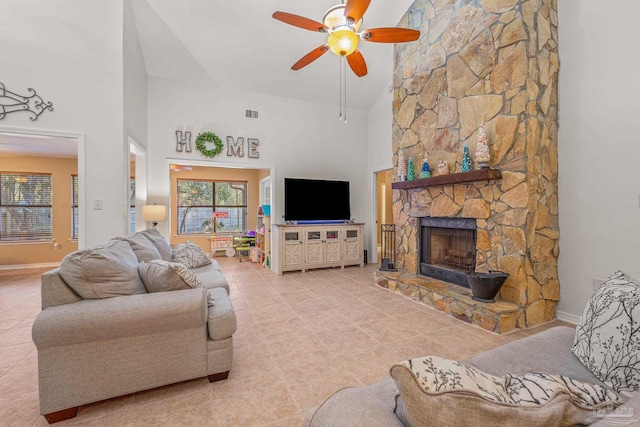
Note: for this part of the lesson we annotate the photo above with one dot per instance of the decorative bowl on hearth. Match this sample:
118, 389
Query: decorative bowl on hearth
485, 286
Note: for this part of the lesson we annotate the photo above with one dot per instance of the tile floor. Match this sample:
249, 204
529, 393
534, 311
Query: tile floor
300, 338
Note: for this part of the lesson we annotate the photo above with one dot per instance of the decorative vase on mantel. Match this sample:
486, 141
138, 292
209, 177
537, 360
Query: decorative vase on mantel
485, 286
482, 149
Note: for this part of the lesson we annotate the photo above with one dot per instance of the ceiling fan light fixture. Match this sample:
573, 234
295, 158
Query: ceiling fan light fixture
334, 18
343, 42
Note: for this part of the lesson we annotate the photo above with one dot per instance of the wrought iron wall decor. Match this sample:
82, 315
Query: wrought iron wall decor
11, 102
183, 142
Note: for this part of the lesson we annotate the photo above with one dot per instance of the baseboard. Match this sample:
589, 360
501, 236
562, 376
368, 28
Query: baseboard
23, 266
567, 317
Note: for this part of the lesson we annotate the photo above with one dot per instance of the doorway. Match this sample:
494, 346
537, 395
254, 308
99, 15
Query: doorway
40, 231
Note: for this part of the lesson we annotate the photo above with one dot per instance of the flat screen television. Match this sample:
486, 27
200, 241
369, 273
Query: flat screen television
316, 200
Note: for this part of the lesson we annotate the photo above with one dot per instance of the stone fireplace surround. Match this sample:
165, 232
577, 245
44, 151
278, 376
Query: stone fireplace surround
494, 61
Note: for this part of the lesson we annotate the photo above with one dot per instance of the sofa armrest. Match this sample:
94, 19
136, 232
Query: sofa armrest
119, 317
55, 291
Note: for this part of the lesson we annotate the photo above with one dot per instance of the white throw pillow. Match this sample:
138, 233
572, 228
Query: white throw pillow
607, 339
441, 392
191, 255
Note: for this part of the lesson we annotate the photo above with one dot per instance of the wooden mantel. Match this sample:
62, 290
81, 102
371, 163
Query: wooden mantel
454, 178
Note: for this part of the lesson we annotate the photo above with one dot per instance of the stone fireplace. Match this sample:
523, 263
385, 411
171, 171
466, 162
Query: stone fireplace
447, 249
491, 61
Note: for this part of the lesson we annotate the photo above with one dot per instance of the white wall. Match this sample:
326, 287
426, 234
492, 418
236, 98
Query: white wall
379, 156
135, 82
299, 139
599, 146
70, 52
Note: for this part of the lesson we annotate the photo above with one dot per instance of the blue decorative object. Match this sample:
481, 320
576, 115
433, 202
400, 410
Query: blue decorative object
425, 172
466, 159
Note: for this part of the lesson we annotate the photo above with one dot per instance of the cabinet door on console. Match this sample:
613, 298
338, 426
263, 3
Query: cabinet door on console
292, 250
332, 247
314, 247
353, 246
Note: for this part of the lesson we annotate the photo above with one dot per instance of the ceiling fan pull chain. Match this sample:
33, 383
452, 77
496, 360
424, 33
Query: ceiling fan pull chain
344, 79
340, 73
344, 75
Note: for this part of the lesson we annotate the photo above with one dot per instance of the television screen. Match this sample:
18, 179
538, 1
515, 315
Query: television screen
316, 200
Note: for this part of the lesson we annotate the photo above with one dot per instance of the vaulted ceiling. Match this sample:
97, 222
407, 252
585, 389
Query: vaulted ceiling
238, 44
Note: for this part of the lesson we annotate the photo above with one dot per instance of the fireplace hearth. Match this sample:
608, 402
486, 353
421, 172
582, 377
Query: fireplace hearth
448, 248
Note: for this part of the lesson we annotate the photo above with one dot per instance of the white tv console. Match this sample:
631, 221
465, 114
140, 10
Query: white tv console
306, 246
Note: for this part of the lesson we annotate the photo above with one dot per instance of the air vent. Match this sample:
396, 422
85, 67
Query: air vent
251, 114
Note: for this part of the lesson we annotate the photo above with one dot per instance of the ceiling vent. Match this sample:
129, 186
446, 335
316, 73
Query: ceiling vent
251, 114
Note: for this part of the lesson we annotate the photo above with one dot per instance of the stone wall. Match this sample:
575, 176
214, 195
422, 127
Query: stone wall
494, 61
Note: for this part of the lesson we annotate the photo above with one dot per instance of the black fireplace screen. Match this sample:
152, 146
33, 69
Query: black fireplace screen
448, 248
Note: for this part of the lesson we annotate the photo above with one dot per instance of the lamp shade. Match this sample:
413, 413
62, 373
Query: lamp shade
154, 213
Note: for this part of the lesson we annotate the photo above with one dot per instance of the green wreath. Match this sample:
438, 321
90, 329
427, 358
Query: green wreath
201, 144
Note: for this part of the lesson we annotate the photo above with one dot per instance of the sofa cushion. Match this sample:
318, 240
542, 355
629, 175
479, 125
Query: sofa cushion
159, 242
162, 276
211, 278
191, 255
104, 271
607, 339
531, 354
144, 249
221, 319
441, 392
356, 407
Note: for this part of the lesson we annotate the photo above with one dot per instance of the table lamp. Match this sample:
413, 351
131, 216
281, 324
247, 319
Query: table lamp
154, 213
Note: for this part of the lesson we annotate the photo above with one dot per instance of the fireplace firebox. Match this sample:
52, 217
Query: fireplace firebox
448, 248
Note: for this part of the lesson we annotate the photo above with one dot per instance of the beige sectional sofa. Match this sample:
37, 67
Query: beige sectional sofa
94, 347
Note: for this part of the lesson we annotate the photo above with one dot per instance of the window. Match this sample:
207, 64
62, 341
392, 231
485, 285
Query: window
74, 206
25, 206
197, 200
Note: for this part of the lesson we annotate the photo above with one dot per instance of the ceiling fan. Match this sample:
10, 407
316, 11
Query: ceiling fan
342, 22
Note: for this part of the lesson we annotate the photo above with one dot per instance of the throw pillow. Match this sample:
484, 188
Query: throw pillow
144, 249
191, 255
159, 242
607, 339
104, 271
441, 392
161, 276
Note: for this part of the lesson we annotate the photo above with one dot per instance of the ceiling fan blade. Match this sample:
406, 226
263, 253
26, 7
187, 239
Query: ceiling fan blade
354, 9
390, 35
310, 57
357, 63
300, 21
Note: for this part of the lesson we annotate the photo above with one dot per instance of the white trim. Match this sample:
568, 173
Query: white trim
266, 181
79, 138
141, 176
36, 265
568, 317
